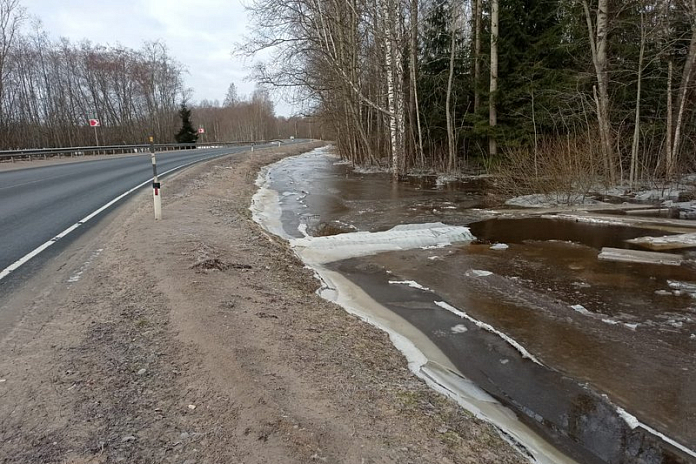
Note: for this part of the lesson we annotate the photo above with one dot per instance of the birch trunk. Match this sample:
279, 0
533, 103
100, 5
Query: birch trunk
598, 46
478, 11
683, 94
636, 128
389, 60
492, 115
415, 111
670, 117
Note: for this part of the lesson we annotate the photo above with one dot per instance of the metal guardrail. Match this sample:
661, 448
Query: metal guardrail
43, 153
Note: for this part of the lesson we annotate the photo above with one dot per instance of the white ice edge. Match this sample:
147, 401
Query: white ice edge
410, 283
511, 341
633, 422
581, 309
439, 376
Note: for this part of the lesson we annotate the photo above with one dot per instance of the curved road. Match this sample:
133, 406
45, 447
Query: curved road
37, 204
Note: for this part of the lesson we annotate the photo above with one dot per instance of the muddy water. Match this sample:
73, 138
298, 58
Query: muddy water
607, 337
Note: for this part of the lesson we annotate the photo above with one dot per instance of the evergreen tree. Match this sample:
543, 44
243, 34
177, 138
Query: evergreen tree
434, 60
187, 134
536, 54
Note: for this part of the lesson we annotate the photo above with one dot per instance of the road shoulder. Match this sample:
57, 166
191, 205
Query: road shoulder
199, 338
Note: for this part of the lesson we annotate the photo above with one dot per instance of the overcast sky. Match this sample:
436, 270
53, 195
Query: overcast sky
200, 34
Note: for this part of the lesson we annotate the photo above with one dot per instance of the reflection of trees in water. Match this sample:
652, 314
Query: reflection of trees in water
596, 426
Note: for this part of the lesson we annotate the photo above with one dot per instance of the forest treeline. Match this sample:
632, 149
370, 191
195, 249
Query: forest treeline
603, 88
49, 89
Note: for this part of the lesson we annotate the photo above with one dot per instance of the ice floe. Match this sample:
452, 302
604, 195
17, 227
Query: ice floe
581, 309
302, 228
679, 288
637, 256
402, 237
477, 273
666, 242
459, 328
500, 246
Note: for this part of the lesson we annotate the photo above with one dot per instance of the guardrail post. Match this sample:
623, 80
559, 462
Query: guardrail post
156, 187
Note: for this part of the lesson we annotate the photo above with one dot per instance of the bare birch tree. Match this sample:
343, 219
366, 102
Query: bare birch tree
683, 91
492, 111
598, 33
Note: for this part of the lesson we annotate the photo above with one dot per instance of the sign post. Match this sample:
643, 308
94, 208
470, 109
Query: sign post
156, 187
95, 123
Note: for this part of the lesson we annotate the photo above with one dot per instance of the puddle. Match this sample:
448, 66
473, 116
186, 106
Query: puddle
546, 229
575, 418
331, 198
595, 356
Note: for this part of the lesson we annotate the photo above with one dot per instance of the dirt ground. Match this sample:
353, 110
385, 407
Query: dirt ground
199, 339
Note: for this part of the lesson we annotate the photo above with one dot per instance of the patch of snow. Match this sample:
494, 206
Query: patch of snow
500, 246
616, 191
477, 273
663, 293
410, 283
633, 326
504, 361
459, 328
658, 194
432, 258
370, 170
522, 350
542, 200
444, 179
610, 321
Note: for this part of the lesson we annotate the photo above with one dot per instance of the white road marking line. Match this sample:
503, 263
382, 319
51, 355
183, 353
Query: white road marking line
24, 259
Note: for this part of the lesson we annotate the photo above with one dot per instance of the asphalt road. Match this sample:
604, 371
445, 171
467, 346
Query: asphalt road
37, 204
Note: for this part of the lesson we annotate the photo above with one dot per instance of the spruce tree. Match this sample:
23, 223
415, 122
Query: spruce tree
187, 134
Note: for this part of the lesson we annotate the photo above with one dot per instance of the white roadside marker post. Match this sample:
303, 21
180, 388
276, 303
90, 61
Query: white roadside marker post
156, 187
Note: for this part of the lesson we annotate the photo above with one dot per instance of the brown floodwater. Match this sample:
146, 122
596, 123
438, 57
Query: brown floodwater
606, 334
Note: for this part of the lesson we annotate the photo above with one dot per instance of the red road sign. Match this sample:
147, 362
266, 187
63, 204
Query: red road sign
201, 130
94, 123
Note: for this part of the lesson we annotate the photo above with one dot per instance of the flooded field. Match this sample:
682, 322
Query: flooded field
596, 357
